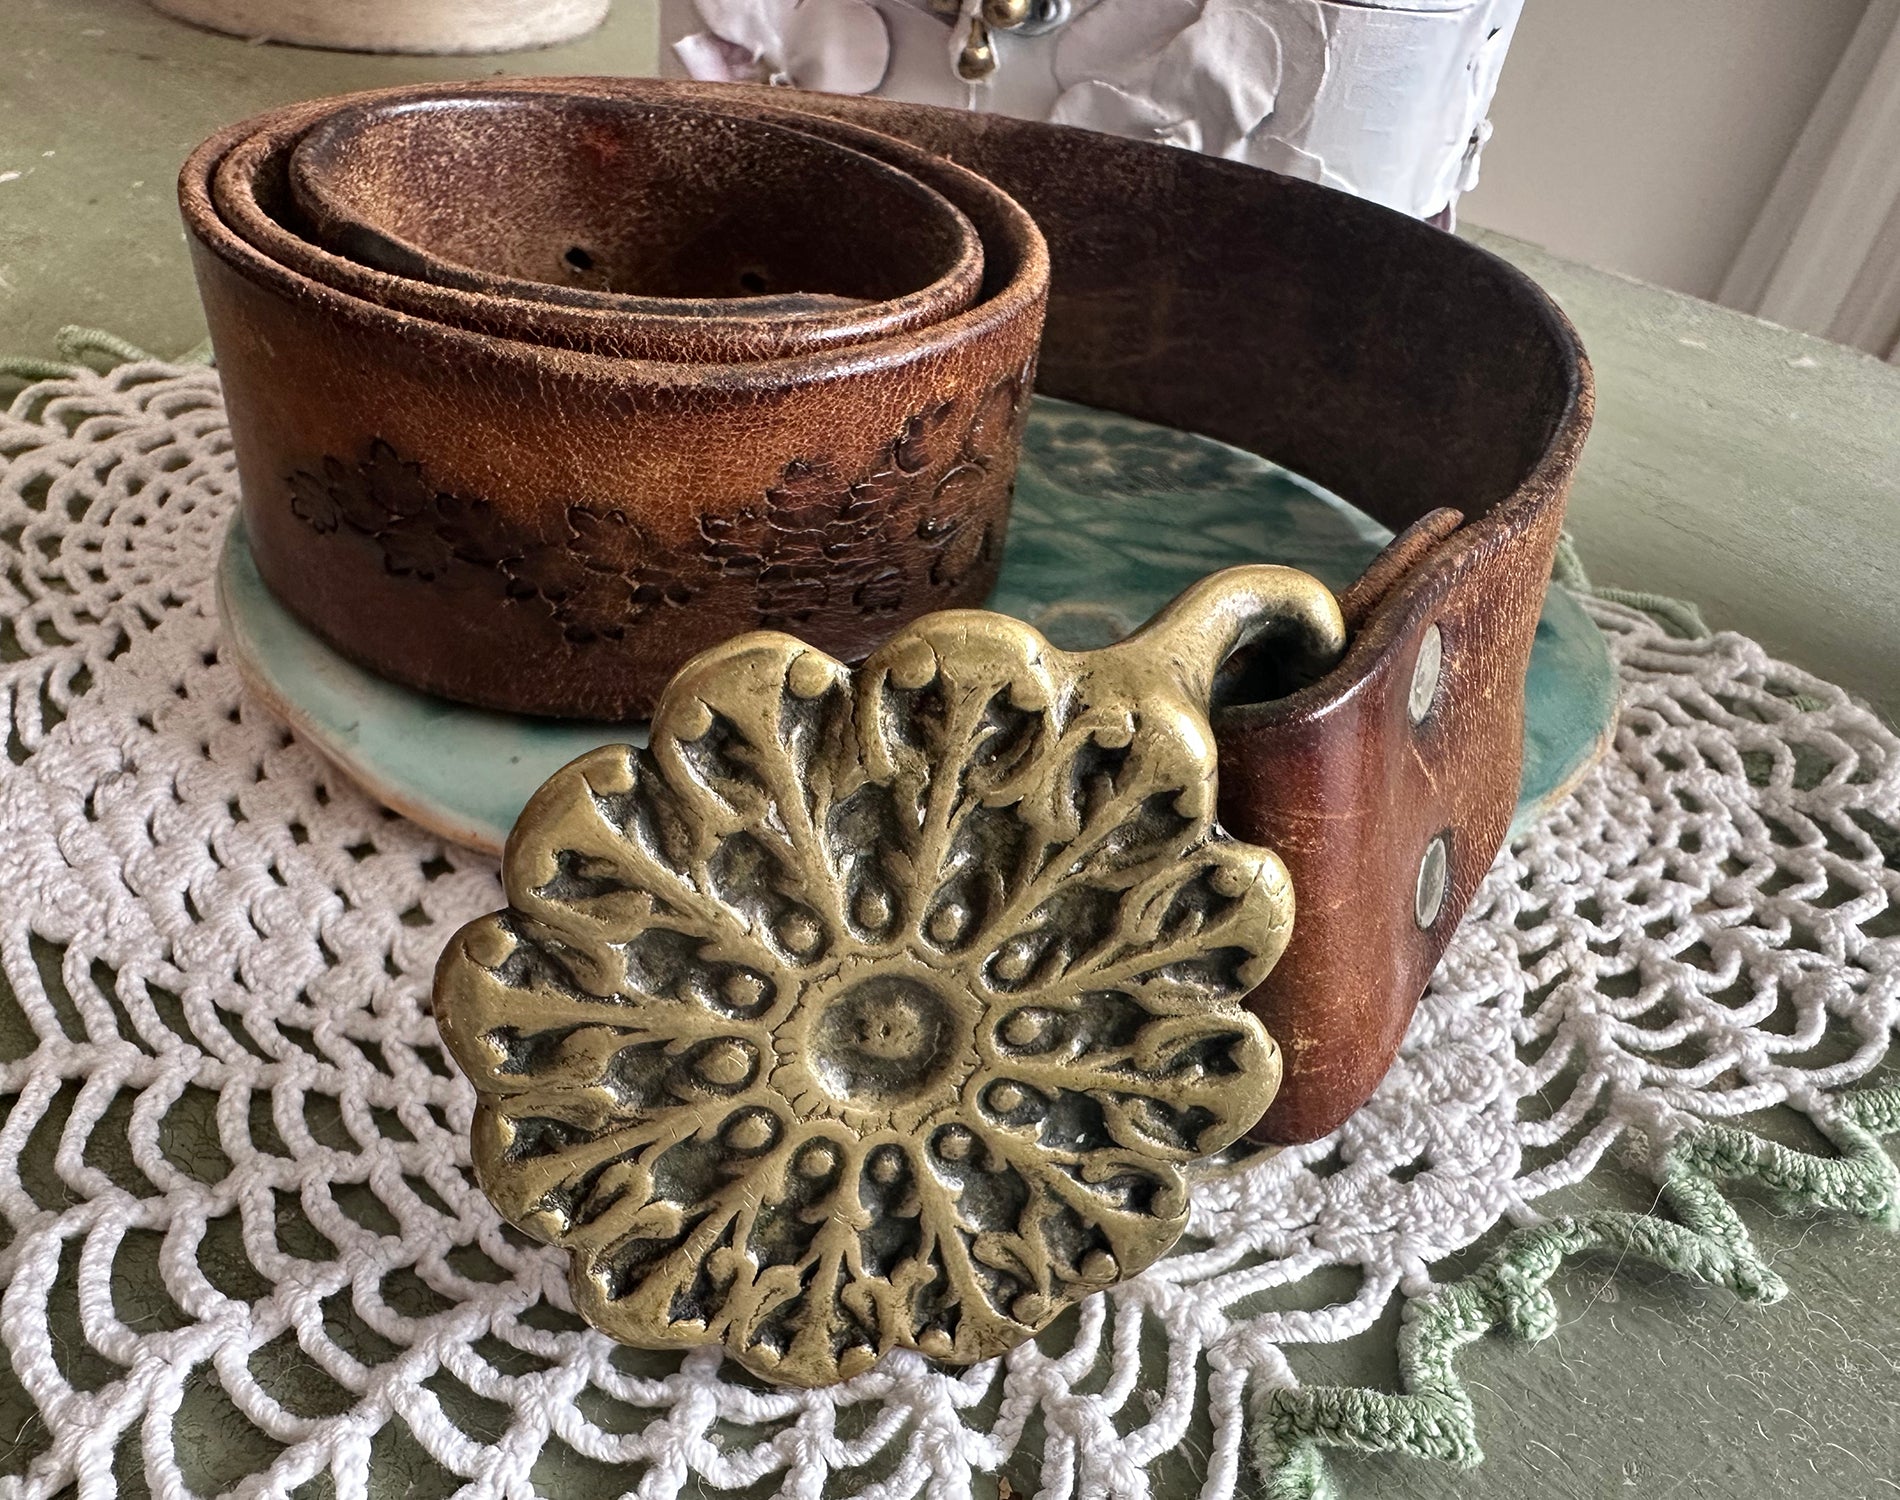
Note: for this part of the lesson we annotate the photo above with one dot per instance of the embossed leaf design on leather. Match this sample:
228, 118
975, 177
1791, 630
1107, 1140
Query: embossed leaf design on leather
817, 539
872, 1009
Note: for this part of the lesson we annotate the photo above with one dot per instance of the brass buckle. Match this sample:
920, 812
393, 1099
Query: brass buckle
883, 1008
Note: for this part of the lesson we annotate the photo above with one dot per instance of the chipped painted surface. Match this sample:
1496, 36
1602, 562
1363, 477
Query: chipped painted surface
1749, 468
116, 94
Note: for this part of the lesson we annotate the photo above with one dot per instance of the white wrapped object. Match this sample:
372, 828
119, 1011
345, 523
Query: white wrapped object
435, 26
1386, 101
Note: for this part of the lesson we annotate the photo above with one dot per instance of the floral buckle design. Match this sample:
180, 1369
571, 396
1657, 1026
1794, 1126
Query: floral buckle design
881, 1009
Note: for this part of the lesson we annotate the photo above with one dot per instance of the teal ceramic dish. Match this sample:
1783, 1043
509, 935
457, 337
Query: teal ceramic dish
1083, 571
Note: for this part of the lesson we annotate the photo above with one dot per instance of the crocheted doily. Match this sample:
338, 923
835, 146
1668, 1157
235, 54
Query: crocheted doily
243, 1249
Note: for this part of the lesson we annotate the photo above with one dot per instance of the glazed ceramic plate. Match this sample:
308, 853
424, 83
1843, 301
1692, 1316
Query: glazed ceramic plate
1112, 519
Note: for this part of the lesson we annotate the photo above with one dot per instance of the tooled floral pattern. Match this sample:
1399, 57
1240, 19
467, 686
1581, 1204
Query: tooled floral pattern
818, 540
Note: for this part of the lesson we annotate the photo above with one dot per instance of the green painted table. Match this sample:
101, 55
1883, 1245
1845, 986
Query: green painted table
1753, 470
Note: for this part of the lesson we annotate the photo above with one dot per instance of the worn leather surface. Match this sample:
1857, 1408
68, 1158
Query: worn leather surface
739, 250
548, 507
1411, 373
251, 190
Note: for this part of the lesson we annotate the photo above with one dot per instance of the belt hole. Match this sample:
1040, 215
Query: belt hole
579, 259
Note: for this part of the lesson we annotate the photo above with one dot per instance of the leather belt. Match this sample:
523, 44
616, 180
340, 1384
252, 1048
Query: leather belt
503, 434
471, 451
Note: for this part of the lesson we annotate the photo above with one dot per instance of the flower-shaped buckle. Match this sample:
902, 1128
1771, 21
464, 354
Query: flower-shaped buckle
883, 1008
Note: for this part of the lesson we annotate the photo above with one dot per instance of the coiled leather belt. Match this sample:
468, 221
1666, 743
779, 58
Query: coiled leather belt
504, 434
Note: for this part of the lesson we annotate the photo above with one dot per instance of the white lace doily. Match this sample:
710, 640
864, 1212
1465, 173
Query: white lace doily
242, 1247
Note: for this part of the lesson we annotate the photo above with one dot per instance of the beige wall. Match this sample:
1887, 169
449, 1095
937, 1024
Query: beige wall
1644, 135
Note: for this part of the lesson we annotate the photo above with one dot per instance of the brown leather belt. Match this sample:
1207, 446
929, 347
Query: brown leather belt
504, 434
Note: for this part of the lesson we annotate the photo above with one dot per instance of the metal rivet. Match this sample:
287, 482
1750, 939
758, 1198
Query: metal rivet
1425, 674
1434, 878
